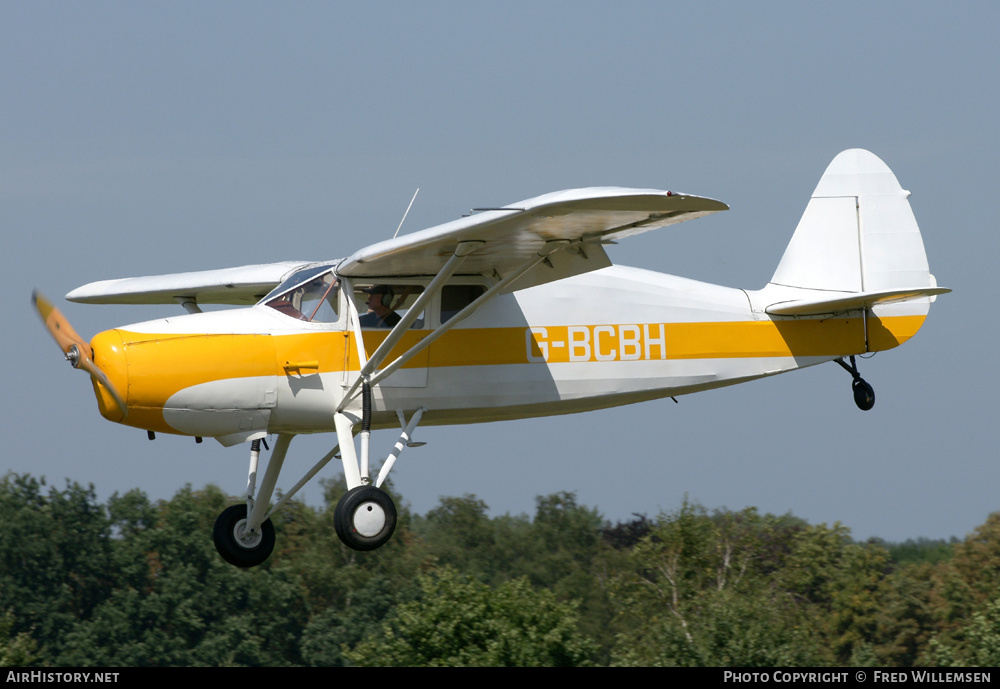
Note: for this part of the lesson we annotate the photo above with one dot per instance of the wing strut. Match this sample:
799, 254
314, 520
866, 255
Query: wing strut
549, 249
368, 368
396, 334
355, 471
355, 467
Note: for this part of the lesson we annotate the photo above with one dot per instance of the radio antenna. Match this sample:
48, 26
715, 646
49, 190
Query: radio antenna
407, 211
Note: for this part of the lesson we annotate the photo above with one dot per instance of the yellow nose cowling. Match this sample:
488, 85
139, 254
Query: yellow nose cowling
110, 357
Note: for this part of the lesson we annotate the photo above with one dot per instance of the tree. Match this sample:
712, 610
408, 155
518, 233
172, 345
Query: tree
701, 590
458, 621
55, 557
978, 644
179, 603
18, 650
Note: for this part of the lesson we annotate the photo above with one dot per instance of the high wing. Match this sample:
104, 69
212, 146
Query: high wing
242, 285
579, 219
530, 243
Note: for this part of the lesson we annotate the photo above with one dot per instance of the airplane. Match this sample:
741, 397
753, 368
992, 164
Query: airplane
510, 312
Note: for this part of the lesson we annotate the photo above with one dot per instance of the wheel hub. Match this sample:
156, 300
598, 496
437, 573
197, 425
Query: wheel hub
369, 519
247, 539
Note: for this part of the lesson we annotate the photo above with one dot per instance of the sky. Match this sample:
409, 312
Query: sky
150, 138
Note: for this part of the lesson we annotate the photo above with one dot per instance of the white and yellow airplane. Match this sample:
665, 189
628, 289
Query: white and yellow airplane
508, 313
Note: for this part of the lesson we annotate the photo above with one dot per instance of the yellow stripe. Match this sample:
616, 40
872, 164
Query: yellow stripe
741, 339
889, 332
169, 363
160, 365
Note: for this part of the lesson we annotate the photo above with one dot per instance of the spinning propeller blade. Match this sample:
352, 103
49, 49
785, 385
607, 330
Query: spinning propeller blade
57, 325
76, 349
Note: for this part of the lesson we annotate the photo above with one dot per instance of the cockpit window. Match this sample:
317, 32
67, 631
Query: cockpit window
311, 294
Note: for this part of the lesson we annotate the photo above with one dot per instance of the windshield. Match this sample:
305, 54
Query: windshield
311, 294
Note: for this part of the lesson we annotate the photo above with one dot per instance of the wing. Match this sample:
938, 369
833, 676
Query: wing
242, 285
585, 218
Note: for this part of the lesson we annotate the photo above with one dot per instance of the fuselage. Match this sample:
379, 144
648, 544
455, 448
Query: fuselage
605, 338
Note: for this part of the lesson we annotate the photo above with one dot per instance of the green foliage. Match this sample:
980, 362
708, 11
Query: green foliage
137, 583
179, 604
978, 644
966, 601
461, 535
458, 621
55, 557
917, 550
18, 650
700, 591
332, 630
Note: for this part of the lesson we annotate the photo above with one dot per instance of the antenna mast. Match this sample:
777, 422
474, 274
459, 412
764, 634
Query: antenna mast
407, 211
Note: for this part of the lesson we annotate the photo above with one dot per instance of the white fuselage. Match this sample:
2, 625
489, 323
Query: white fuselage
610, 337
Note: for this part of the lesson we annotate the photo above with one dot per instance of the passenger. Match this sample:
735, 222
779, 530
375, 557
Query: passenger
380, 313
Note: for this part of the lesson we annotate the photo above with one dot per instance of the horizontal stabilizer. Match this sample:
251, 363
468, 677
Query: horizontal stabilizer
243, 285
854, 301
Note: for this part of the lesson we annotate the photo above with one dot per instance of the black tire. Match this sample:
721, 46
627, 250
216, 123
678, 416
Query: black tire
231, 548
365, 518
864, 394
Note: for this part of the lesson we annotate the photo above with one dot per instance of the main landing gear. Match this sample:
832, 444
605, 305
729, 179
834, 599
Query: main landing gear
364, 518
243, 534
238, 545
864, 394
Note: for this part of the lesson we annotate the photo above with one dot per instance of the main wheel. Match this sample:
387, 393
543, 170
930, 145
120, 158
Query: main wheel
234, 544
365, 518
864, 394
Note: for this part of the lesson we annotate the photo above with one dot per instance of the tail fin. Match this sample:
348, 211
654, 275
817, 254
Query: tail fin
858, 243
857, 234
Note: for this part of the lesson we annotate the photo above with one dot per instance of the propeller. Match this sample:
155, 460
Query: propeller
78, 352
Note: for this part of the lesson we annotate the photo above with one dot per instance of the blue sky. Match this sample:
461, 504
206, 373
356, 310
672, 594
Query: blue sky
146, 138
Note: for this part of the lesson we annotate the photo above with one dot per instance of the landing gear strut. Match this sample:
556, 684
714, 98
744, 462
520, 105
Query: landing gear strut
864, 394
244, 534
365, 516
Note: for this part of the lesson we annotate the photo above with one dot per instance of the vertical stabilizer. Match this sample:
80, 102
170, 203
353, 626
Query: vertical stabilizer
856, 249
857, 234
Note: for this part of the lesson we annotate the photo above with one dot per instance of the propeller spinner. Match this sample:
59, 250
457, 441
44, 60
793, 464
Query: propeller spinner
78, 352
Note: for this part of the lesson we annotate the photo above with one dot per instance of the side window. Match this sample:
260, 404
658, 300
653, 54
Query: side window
383, 305
454, 298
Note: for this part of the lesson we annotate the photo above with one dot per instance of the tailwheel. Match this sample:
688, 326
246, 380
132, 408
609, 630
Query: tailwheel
864, 394
236, 545
365, 518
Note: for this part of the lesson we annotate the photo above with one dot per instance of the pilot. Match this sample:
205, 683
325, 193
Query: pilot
380, 313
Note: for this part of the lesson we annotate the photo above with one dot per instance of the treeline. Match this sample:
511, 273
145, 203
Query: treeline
137, 583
